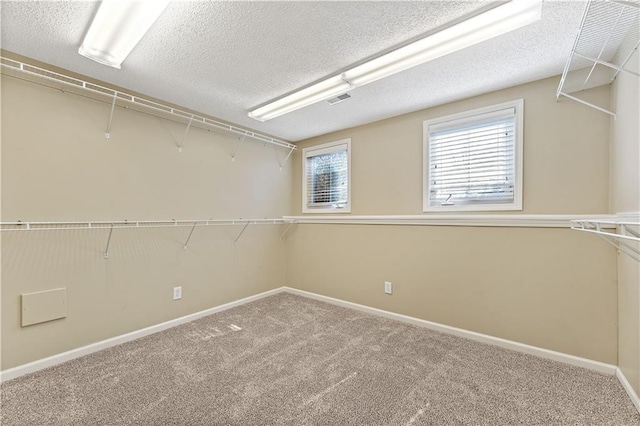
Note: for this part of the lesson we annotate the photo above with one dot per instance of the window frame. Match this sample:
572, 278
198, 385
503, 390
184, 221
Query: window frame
321, 149
518, 105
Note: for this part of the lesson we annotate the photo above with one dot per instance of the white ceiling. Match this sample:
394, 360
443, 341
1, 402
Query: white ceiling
224, 58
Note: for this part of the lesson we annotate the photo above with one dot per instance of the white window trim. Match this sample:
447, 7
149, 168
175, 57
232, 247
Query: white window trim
318, 150
517, 203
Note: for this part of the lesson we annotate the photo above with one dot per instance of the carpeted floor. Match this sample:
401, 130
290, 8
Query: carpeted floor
289, 360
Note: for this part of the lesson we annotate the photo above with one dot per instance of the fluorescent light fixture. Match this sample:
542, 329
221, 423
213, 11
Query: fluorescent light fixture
118, 27
497, 21
326, 89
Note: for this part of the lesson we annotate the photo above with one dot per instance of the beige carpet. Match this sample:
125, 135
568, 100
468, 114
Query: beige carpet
288, 360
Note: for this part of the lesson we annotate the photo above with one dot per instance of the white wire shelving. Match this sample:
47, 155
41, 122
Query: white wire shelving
20, 226
607, 39
623, 234
115, 97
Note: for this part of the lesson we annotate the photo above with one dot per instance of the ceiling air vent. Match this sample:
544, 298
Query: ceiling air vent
339, 98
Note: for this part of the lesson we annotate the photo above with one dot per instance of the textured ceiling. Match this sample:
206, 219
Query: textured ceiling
225, 58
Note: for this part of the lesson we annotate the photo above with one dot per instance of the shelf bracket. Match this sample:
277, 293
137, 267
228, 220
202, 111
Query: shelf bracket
186, 243
233, 157
106, 250
107, 133
184, 137
286, 231
606, 111
240, 234
285, 160
626, 230
623, 247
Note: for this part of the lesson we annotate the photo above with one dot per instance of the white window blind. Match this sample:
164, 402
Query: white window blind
327, 177
472, 161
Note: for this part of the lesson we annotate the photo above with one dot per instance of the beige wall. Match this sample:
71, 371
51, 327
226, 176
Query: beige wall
625, 198
57, 166
553, 288
566, 154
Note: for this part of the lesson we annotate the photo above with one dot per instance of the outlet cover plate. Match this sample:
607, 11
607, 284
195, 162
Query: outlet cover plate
177, 293
388, 287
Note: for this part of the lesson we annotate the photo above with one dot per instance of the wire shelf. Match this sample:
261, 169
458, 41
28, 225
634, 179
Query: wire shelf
608, 36
61, 81
623, 234
20, 226
66, 226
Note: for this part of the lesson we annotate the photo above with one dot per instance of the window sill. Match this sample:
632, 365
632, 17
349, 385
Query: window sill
326, 211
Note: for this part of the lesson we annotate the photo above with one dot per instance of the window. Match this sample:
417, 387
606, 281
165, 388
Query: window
326, 185
473, 160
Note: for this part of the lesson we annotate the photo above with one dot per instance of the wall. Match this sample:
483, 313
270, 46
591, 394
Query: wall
553, 288
625, 198
58, 166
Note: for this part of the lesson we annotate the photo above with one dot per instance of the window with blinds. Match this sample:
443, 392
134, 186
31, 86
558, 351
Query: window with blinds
326, 178
473, 161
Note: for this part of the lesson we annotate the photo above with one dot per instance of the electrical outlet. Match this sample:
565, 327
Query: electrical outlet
388, 287
177, 293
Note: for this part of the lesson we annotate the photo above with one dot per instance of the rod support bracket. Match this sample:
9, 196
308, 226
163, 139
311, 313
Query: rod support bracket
186, 243
107, 132
240, 234
184, 137
106, 250
233, 157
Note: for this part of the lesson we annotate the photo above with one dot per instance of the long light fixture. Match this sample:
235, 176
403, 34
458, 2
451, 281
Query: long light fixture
118, 27
499, 20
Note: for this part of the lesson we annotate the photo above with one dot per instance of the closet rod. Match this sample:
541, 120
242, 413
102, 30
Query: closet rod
53, 226
45, 74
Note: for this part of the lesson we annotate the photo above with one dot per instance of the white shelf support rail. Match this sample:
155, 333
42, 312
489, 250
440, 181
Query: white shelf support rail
160, 110
626, 239
607, 39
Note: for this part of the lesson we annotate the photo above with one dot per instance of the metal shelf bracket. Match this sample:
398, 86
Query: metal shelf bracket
184, 137
240, 234
287, 158
186, 243
286, 231
233, 157
107, 133
623, 240
106, 250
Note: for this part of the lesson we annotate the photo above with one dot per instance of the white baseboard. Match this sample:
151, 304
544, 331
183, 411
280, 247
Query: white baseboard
627, 387
40, 364
479, 337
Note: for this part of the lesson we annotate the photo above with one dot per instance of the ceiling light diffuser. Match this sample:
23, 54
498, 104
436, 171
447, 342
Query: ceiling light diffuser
497, 21
326, 89
118, 27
